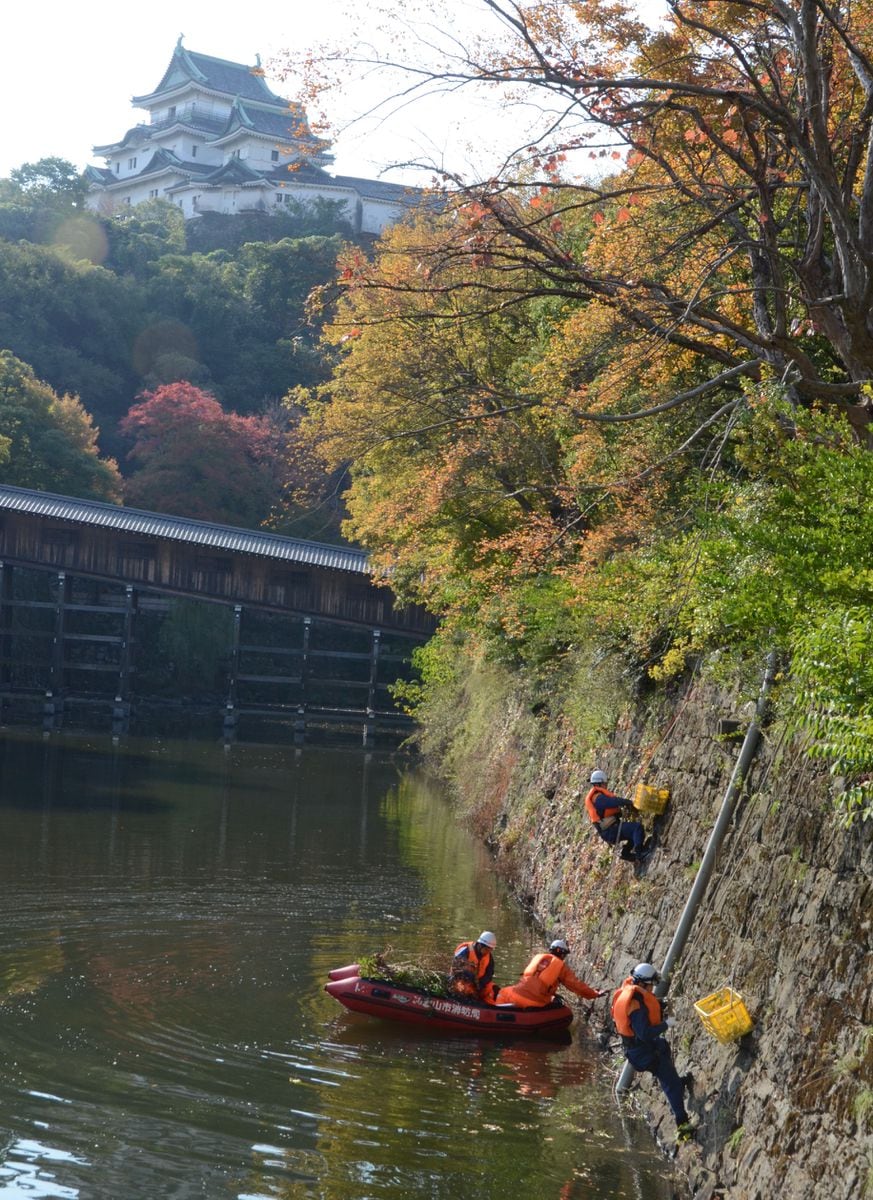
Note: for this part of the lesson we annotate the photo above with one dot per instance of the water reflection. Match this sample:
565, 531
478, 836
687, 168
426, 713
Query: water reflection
170, 913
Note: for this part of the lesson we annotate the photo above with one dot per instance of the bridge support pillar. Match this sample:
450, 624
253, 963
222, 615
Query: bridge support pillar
304, 661
121, 707
231, 716
54, 698
370, 722
6, 611
300, 719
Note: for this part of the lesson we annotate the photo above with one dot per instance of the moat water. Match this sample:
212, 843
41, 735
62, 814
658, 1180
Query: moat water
170, 910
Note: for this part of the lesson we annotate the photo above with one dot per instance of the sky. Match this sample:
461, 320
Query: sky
68, 69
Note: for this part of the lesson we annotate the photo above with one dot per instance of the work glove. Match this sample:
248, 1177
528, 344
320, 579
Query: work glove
670, 1022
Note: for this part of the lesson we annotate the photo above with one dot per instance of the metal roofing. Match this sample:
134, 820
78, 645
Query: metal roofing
181, 529
217, 74
381, 189
288, 124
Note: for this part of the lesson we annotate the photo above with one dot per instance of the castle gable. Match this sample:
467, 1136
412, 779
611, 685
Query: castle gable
212, 74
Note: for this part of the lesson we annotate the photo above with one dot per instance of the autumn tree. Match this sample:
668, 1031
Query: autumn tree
668, 326
742, 130
196, 460
48, 441
454, 482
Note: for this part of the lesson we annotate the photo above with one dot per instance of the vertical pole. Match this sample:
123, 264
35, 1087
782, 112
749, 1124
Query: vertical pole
54, 698
122, 700
230, 713
369, 725
719, 832
6, 616
300, 723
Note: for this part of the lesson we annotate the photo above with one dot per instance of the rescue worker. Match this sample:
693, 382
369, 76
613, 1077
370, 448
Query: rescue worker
604, 809
542, 977
472, 972
639, 1018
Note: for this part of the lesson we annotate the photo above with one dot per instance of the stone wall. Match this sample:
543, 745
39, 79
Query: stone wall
786, 921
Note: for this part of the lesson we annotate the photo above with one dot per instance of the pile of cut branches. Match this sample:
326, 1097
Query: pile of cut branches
403, 974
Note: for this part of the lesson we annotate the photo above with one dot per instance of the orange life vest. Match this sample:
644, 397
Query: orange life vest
467, 976
609, 815
547, 968
538, 983
626, 1000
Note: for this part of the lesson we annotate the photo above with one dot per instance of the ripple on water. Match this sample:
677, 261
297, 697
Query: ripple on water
28, 1170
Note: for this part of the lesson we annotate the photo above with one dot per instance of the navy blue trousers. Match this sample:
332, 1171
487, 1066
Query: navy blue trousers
625, 831
658, 1061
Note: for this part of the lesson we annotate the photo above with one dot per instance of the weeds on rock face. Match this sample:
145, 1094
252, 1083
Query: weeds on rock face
735, 1138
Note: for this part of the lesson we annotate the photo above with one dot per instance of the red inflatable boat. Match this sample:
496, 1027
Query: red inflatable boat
392, 1002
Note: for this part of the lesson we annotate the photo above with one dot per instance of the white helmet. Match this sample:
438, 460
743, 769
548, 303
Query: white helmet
560, 944
598, 776
645, 973
487, 939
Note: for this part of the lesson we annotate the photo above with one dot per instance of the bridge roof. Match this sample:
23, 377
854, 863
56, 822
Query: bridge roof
182, 529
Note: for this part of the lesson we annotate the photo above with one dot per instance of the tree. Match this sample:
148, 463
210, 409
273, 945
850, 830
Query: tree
74, 323
455, 485
743, 128
690, 333
52, 181
196, 460
49, 441
138, 238
244, 314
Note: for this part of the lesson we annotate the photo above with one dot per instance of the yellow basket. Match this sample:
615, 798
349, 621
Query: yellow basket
650, 799
724, 1015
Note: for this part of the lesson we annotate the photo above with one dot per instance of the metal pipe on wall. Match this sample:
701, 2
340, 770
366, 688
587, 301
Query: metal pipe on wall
719, 832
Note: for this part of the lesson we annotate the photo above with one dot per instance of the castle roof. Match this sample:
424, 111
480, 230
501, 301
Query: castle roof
188, 119
213, 74
234, 171
380, 189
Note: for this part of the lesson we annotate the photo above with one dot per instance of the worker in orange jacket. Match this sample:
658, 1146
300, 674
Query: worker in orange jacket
472, 971
542, 977
639, 1018
604, 809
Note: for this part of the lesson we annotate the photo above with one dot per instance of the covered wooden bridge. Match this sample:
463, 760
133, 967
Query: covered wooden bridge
334, 642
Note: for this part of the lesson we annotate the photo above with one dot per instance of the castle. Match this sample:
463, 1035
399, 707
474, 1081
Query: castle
218, 140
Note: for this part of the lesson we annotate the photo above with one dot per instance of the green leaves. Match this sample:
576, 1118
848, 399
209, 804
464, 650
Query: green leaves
833, 704
783, 559
49, 441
